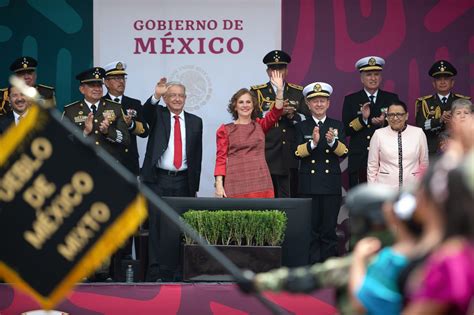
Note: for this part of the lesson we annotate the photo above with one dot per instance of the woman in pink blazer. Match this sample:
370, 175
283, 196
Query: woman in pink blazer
398, 152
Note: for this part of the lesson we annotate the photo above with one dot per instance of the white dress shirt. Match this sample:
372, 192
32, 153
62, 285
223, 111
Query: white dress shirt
17, 117
166, 160
89, 104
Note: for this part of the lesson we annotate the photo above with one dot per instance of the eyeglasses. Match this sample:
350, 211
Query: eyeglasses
393, 115
176, 95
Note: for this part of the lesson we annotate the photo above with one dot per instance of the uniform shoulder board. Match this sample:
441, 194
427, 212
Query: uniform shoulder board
73, 103
296, 86
112, 101
258, 87
462, 96
3, 89
424, 97
46, 86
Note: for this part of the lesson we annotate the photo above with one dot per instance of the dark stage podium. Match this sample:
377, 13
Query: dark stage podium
295, 248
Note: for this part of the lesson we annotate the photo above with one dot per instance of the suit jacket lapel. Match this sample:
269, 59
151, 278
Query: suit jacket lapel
166, 123
363, 96
85, 108
101, 108
188, 133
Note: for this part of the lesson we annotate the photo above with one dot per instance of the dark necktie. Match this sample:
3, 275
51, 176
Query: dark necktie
320, 124
94, 109
400, 161
178, 151
444, 100
372, 99
117, 100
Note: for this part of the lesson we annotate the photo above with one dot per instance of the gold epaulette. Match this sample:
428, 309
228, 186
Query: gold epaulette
112, 101
73, 103
258, 87
46, 86
424, 97
462, 96
295, 86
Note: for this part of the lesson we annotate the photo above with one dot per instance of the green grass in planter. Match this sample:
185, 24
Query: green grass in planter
238, 227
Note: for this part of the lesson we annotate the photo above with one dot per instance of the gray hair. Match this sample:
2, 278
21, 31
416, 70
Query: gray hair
462, 103
176, 83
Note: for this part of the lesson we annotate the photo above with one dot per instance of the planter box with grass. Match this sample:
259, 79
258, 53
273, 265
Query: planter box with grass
251, 239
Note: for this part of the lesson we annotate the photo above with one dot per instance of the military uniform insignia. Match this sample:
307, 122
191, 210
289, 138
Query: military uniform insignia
276, 58
372, 62
73, 103
462, 96
294, 103
317, 87
119, 66
258, 87
80, 119
97, 73
81, 112
46, 86
295, 86
131, 112
109, 114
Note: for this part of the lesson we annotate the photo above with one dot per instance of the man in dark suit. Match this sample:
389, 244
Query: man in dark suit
115, 81
280, 139
19, 106
433, 112
25, 68
362, 113
172, 165
320, 141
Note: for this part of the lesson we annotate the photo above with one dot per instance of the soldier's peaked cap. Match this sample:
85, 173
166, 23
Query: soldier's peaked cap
95, 74
276, 57
24, 63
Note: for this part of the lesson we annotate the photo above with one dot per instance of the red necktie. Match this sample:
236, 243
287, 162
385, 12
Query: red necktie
178, 151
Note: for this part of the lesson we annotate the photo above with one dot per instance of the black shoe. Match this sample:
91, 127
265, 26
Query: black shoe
103, 277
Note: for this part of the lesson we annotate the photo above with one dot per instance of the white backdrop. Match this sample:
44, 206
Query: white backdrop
214, 47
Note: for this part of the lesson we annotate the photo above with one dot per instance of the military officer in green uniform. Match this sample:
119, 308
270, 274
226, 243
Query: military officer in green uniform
280, 139
25, 68
99, 118
433, 112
